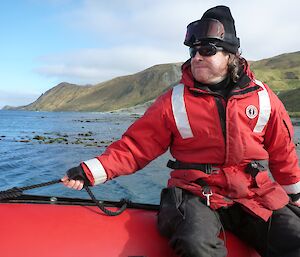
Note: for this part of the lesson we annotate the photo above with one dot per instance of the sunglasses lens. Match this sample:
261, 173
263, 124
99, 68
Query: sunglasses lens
193, 52
206, 50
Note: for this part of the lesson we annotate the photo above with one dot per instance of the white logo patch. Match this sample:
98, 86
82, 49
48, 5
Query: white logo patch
251, 111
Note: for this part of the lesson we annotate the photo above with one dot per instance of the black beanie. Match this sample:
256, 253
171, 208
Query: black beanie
229, 41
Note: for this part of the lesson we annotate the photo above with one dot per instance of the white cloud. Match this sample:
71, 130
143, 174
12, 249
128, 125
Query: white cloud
133, 35
96, 65
147, 22
267, 28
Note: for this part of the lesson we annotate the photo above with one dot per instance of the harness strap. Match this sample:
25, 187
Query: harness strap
252, 167
178, 165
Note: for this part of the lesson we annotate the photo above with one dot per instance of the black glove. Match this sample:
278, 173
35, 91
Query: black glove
294, 197
77, 173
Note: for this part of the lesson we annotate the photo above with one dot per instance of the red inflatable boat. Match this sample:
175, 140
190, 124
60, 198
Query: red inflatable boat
35, 226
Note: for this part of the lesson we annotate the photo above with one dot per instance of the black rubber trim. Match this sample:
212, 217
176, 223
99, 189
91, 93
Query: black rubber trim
37, 199
245, 91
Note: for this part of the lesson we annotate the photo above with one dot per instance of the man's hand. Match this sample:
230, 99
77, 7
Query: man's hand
295, 199
75, 178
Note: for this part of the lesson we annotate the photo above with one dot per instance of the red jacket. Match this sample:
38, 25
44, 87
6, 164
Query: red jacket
186, 119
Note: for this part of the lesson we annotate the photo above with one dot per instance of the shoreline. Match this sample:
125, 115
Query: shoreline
137, 111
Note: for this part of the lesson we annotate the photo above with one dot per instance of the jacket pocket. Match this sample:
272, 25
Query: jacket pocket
171, 211
238, 182
271, 195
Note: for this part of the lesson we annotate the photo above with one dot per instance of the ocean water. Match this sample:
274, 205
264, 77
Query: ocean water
26, 161
69, 138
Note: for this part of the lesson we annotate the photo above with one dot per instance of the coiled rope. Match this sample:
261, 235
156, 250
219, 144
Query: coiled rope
18, 191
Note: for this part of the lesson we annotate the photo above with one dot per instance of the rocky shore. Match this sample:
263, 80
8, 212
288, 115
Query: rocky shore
86, 139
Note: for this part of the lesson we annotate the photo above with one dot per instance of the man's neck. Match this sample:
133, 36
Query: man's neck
223, 87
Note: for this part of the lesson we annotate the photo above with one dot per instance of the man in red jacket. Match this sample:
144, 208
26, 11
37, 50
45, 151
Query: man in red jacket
235, 161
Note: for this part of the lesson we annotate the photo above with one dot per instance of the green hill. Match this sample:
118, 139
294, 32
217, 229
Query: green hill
291, 101
281, 73
120, 92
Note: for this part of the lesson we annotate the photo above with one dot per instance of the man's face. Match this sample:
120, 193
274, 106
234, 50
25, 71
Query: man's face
210, 69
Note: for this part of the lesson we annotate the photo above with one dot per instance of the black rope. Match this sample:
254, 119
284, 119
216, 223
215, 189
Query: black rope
18, 191
49, 183
102, 207
10, 193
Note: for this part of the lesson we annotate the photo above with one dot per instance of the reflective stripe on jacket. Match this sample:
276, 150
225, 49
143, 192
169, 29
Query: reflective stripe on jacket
199, 126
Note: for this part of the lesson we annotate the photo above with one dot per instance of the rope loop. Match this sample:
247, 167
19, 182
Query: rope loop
102, 207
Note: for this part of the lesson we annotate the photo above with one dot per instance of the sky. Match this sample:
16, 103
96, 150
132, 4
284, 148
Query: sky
46, 42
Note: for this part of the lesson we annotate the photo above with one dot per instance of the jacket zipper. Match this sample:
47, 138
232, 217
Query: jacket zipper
221, 105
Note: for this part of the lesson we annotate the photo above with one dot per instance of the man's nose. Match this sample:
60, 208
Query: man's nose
198, 56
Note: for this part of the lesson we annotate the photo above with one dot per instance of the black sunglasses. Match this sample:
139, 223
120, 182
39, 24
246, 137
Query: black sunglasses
205, 50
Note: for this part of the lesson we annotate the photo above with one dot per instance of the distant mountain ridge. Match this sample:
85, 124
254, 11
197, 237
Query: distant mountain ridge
120, 92
281, 72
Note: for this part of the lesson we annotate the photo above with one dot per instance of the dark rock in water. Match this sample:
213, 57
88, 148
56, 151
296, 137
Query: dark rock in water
37, 137
88, 134
61, 139
296, 123
84, 139
135, 115
24, 141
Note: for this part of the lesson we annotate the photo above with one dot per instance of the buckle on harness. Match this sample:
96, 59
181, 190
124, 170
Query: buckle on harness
254, 167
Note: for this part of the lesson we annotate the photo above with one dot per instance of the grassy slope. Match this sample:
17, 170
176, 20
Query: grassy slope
281, 73
291, 100
120, 92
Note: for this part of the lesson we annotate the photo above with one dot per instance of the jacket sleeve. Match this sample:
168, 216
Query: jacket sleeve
283, 160
145, 139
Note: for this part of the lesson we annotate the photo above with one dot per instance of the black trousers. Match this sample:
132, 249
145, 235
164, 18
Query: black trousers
193, 228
